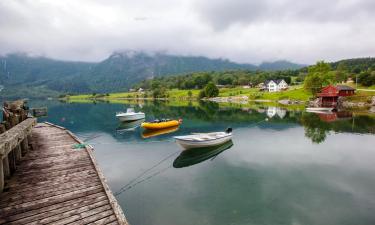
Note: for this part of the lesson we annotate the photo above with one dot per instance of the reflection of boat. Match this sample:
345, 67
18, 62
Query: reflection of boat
153, 133
319, 109
198, 140
161, 124
131, 125
130, 115
197, 155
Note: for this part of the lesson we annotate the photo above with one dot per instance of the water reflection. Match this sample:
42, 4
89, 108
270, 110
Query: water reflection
197, 155
154, 133
129, 126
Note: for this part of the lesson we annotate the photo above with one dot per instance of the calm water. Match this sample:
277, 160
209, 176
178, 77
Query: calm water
295, 168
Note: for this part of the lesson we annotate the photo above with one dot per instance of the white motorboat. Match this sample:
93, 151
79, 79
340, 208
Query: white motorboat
130, 115
199, 140
319, 109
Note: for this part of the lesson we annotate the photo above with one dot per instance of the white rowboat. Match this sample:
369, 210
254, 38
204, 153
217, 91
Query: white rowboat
130, 115
199, 140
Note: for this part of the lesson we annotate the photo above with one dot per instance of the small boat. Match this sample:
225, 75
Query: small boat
198, 155
199, 140
161, 124
129, 125
319, 109
130, 115
154, 133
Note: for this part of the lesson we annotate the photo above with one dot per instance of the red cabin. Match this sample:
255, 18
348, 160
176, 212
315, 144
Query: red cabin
330, 94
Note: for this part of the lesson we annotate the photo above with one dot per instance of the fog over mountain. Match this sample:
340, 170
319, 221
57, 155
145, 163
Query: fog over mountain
243, 31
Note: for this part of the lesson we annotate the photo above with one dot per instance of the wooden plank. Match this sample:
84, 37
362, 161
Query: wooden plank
45, 196
49, 201
20, 193
56, 209
105, 220
73, 213
95, 217
51, 181
75, 217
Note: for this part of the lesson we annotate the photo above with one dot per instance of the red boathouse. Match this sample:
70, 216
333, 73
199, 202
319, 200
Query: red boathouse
330, 94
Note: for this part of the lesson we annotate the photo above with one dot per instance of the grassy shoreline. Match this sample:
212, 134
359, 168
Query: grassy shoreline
294, 93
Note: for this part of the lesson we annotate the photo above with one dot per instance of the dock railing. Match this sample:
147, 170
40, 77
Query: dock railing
15, 132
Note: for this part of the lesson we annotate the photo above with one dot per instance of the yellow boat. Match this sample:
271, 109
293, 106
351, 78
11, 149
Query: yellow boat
153, 133
157, 125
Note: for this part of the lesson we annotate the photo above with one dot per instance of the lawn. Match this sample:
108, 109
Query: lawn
294, 93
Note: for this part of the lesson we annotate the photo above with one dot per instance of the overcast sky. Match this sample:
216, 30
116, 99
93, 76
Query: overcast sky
248, 31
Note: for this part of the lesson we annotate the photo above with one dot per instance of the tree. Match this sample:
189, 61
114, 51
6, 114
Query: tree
211, 90
190, 94
318, 76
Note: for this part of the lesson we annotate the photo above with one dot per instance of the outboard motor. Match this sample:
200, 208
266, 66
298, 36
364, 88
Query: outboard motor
228, 130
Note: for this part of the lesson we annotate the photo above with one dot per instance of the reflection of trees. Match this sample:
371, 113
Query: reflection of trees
316, 135
315, 129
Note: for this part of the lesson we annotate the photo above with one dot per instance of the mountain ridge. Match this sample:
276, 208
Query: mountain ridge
118, 72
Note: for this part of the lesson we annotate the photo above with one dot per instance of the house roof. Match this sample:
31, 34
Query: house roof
344, 88
278, 81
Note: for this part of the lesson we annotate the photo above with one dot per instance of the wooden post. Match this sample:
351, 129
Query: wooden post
12, 161
24, 146
18, 153
6, 167
1, 176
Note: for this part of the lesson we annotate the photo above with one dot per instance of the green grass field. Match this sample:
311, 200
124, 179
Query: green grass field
293, 93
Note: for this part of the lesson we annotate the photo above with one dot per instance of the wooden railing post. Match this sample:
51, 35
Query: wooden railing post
2, 179
24, 146
6, 167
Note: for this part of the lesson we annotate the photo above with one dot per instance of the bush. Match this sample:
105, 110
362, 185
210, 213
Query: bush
202, 94
211, 90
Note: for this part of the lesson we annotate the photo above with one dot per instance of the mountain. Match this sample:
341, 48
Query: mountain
25, 76
280, 65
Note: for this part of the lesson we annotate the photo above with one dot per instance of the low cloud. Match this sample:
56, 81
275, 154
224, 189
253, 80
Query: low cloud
241, 30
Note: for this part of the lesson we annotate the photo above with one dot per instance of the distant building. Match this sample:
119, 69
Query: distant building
131, 90
276, 85
140, 90
330, 94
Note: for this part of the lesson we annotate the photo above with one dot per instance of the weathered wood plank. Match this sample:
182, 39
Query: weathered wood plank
51, 210
105, 220
20, 193
74, 217
49, 201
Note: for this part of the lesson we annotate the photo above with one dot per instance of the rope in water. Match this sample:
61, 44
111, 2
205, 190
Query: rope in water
145, 172
141, 181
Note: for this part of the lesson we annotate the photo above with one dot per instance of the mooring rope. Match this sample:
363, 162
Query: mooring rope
141, 181
144, 172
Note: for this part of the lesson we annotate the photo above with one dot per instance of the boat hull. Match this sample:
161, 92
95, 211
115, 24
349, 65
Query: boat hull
134, 117
189, 144
161, 125
198, 155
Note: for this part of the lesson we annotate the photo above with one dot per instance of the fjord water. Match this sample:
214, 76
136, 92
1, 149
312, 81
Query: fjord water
294, 168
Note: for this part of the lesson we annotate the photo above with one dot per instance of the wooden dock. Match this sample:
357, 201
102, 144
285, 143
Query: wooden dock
57, 182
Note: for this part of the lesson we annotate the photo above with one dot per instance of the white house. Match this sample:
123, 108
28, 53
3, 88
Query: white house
276, 85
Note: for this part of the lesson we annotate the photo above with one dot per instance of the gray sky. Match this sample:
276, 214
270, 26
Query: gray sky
249, 31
